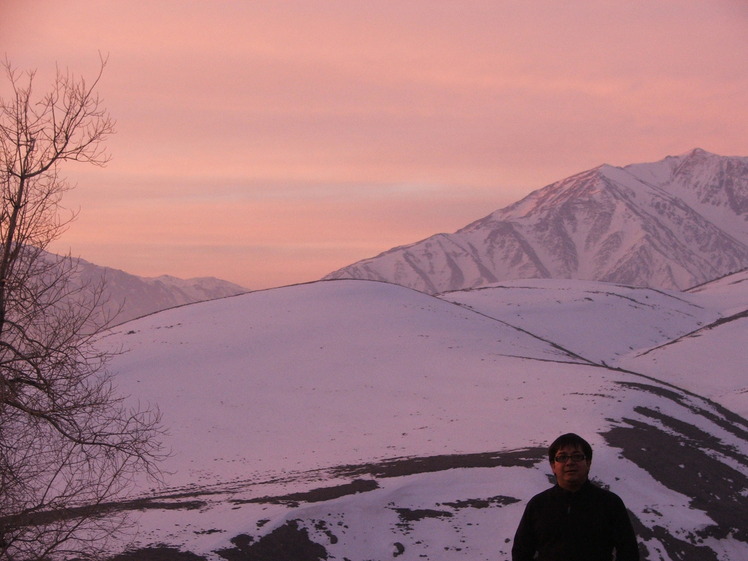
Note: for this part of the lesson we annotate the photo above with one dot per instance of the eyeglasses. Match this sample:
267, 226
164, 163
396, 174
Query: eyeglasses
563, 458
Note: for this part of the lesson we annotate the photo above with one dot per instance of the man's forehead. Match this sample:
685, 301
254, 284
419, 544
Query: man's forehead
570, 448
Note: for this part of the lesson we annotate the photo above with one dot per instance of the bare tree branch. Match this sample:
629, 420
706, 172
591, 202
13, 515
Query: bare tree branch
68, 442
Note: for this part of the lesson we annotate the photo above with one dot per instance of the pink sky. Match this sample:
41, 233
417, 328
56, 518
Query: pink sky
272, 142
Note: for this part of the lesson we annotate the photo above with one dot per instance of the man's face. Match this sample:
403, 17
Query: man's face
570, 474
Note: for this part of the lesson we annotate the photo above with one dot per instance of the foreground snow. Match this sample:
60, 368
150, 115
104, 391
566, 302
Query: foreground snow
362, 394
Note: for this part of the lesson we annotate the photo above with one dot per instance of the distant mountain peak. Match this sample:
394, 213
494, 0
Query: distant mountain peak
128, 296
672, 224
700, 152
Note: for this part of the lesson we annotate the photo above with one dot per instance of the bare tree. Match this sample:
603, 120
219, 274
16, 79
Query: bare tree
68, 442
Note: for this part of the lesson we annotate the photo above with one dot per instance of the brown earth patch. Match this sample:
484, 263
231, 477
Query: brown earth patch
157, 553
400, 467
316, 495
288, 542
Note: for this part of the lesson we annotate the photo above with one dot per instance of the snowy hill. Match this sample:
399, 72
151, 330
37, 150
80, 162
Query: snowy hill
711, 359
670, 224
363, 420
701, 330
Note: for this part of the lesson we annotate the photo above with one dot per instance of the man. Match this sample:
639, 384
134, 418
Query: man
574, 520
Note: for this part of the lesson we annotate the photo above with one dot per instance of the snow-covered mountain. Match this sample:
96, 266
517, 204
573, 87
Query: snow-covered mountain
670, 224
363, 420
130, 296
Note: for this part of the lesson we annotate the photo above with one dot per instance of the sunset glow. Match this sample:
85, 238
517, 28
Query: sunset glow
272, 142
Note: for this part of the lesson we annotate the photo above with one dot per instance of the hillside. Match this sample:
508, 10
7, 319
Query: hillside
670, 224
711, 359
640, 329
362, 420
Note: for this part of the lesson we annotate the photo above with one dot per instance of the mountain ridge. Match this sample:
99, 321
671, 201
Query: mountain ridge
128, 296
669, 224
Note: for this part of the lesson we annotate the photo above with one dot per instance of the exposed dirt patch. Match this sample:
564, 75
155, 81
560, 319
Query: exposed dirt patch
51, 516
679, 458
408, 516
288, 542
723, 418
157, 553
317, 495
683, 465
400, 467
499, 500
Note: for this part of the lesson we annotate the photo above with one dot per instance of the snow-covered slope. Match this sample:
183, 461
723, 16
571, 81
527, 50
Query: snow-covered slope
600, 321
362, 420
710, 360
701, 330
670, 224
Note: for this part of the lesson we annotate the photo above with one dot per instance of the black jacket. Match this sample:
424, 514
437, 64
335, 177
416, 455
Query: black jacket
586, 525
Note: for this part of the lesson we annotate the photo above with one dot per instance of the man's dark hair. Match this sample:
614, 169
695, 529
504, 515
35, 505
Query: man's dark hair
569, 439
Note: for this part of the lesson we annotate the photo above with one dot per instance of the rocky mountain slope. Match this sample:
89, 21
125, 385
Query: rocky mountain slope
670, 224
363, 420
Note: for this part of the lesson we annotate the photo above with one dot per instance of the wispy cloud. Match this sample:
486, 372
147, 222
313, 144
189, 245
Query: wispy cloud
307, 125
